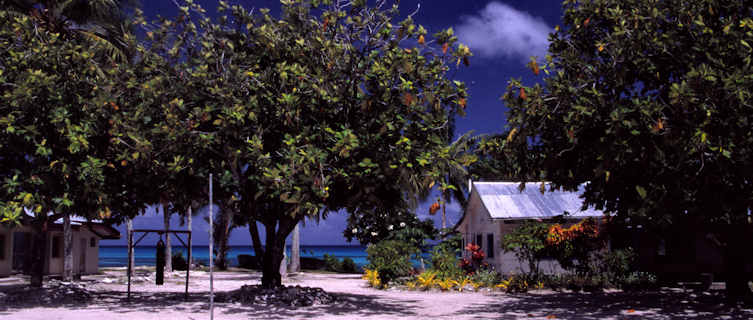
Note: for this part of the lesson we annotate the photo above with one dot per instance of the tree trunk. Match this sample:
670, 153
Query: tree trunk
189, 217
444, 217
68, 248
295, 250
129, 229
38, 253
736, 254
256, 242
274, 253
168, 245
221, 240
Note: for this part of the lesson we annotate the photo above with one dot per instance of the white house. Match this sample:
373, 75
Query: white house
496, 208
15, 247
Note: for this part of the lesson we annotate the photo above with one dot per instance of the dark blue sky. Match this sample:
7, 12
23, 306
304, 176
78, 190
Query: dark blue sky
502, 36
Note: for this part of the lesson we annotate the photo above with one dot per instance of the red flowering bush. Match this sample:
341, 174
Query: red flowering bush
477, 259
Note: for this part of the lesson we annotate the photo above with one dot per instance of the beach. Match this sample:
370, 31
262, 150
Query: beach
355, 300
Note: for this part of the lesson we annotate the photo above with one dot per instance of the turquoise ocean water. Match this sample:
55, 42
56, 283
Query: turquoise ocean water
117, 256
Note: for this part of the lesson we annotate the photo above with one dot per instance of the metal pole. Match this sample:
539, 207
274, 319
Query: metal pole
188, 269
211, 253
130, 254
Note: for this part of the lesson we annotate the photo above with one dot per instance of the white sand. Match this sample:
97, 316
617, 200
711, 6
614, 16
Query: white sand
357, 301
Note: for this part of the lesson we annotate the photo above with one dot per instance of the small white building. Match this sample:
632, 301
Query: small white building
15, 247
496, 208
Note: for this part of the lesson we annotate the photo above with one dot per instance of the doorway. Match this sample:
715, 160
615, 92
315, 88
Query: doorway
82, 259
21, 252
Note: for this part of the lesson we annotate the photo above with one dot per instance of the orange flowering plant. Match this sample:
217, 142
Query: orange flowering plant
572, 246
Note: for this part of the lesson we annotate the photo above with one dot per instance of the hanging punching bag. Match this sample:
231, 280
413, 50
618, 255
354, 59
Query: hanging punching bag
160, 262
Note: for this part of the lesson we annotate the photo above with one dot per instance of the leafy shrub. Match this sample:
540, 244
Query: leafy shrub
486, 277
426, 279
331, 263
444, 258
614, 266
528, 242
349, 266
555, 282
476, 262
179, 262
639, 281
391, 259
372, 277
517, 283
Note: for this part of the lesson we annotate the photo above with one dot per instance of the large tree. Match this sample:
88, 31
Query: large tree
649, 102
333, 105
54, 143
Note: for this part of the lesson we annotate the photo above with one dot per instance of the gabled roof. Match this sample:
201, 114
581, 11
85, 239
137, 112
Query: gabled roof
504, 200
101, 229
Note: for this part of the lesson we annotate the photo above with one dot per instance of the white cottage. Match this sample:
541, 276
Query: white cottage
15, 247
496, 208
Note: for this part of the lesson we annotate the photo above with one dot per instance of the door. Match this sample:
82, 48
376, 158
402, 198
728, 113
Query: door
21, 252
82, 259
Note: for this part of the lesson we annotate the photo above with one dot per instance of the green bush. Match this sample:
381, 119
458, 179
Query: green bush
331, 263
444, 258
391, 259
349, 266
486, 277
179, 263
615, 265
639, 281
528, 242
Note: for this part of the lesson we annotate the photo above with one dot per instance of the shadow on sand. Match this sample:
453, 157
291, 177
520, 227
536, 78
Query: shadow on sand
664, 304
198, 303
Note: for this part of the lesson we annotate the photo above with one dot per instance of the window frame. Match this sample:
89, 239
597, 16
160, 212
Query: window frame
57, 246
490, 245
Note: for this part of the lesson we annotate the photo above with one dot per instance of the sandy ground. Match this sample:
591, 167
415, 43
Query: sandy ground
357, 301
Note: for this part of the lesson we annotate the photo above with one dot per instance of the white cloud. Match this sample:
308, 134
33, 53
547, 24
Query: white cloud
501, 31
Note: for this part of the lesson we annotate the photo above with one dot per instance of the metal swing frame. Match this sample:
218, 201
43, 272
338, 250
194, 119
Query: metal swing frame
132, 244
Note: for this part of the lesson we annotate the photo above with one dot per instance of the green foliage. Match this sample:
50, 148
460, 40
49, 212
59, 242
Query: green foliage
54, 115
615, 266
639, 281
444, 258
298, 115
519, 283
179, 262
331, 263
528, 242
402, 225
486, 277
649, 104
349, 266
391, 259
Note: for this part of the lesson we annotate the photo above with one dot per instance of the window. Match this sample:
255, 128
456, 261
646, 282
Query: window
479, 240
57, 246
93, 242
490, 245
2, 247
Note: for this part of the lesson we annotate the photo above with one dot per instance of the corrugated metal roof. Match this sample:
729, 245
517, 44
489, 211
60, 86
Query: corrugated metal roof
504, 200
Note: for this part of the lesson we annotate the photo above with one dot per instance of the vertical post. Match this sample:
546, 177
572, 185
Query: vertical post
130, 255
295, 250
211, 253
129, 230
190, 245
188, 269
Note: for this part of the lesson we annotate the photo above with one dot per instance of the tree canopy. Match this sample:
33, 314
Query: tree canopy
649, 103
333, 105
